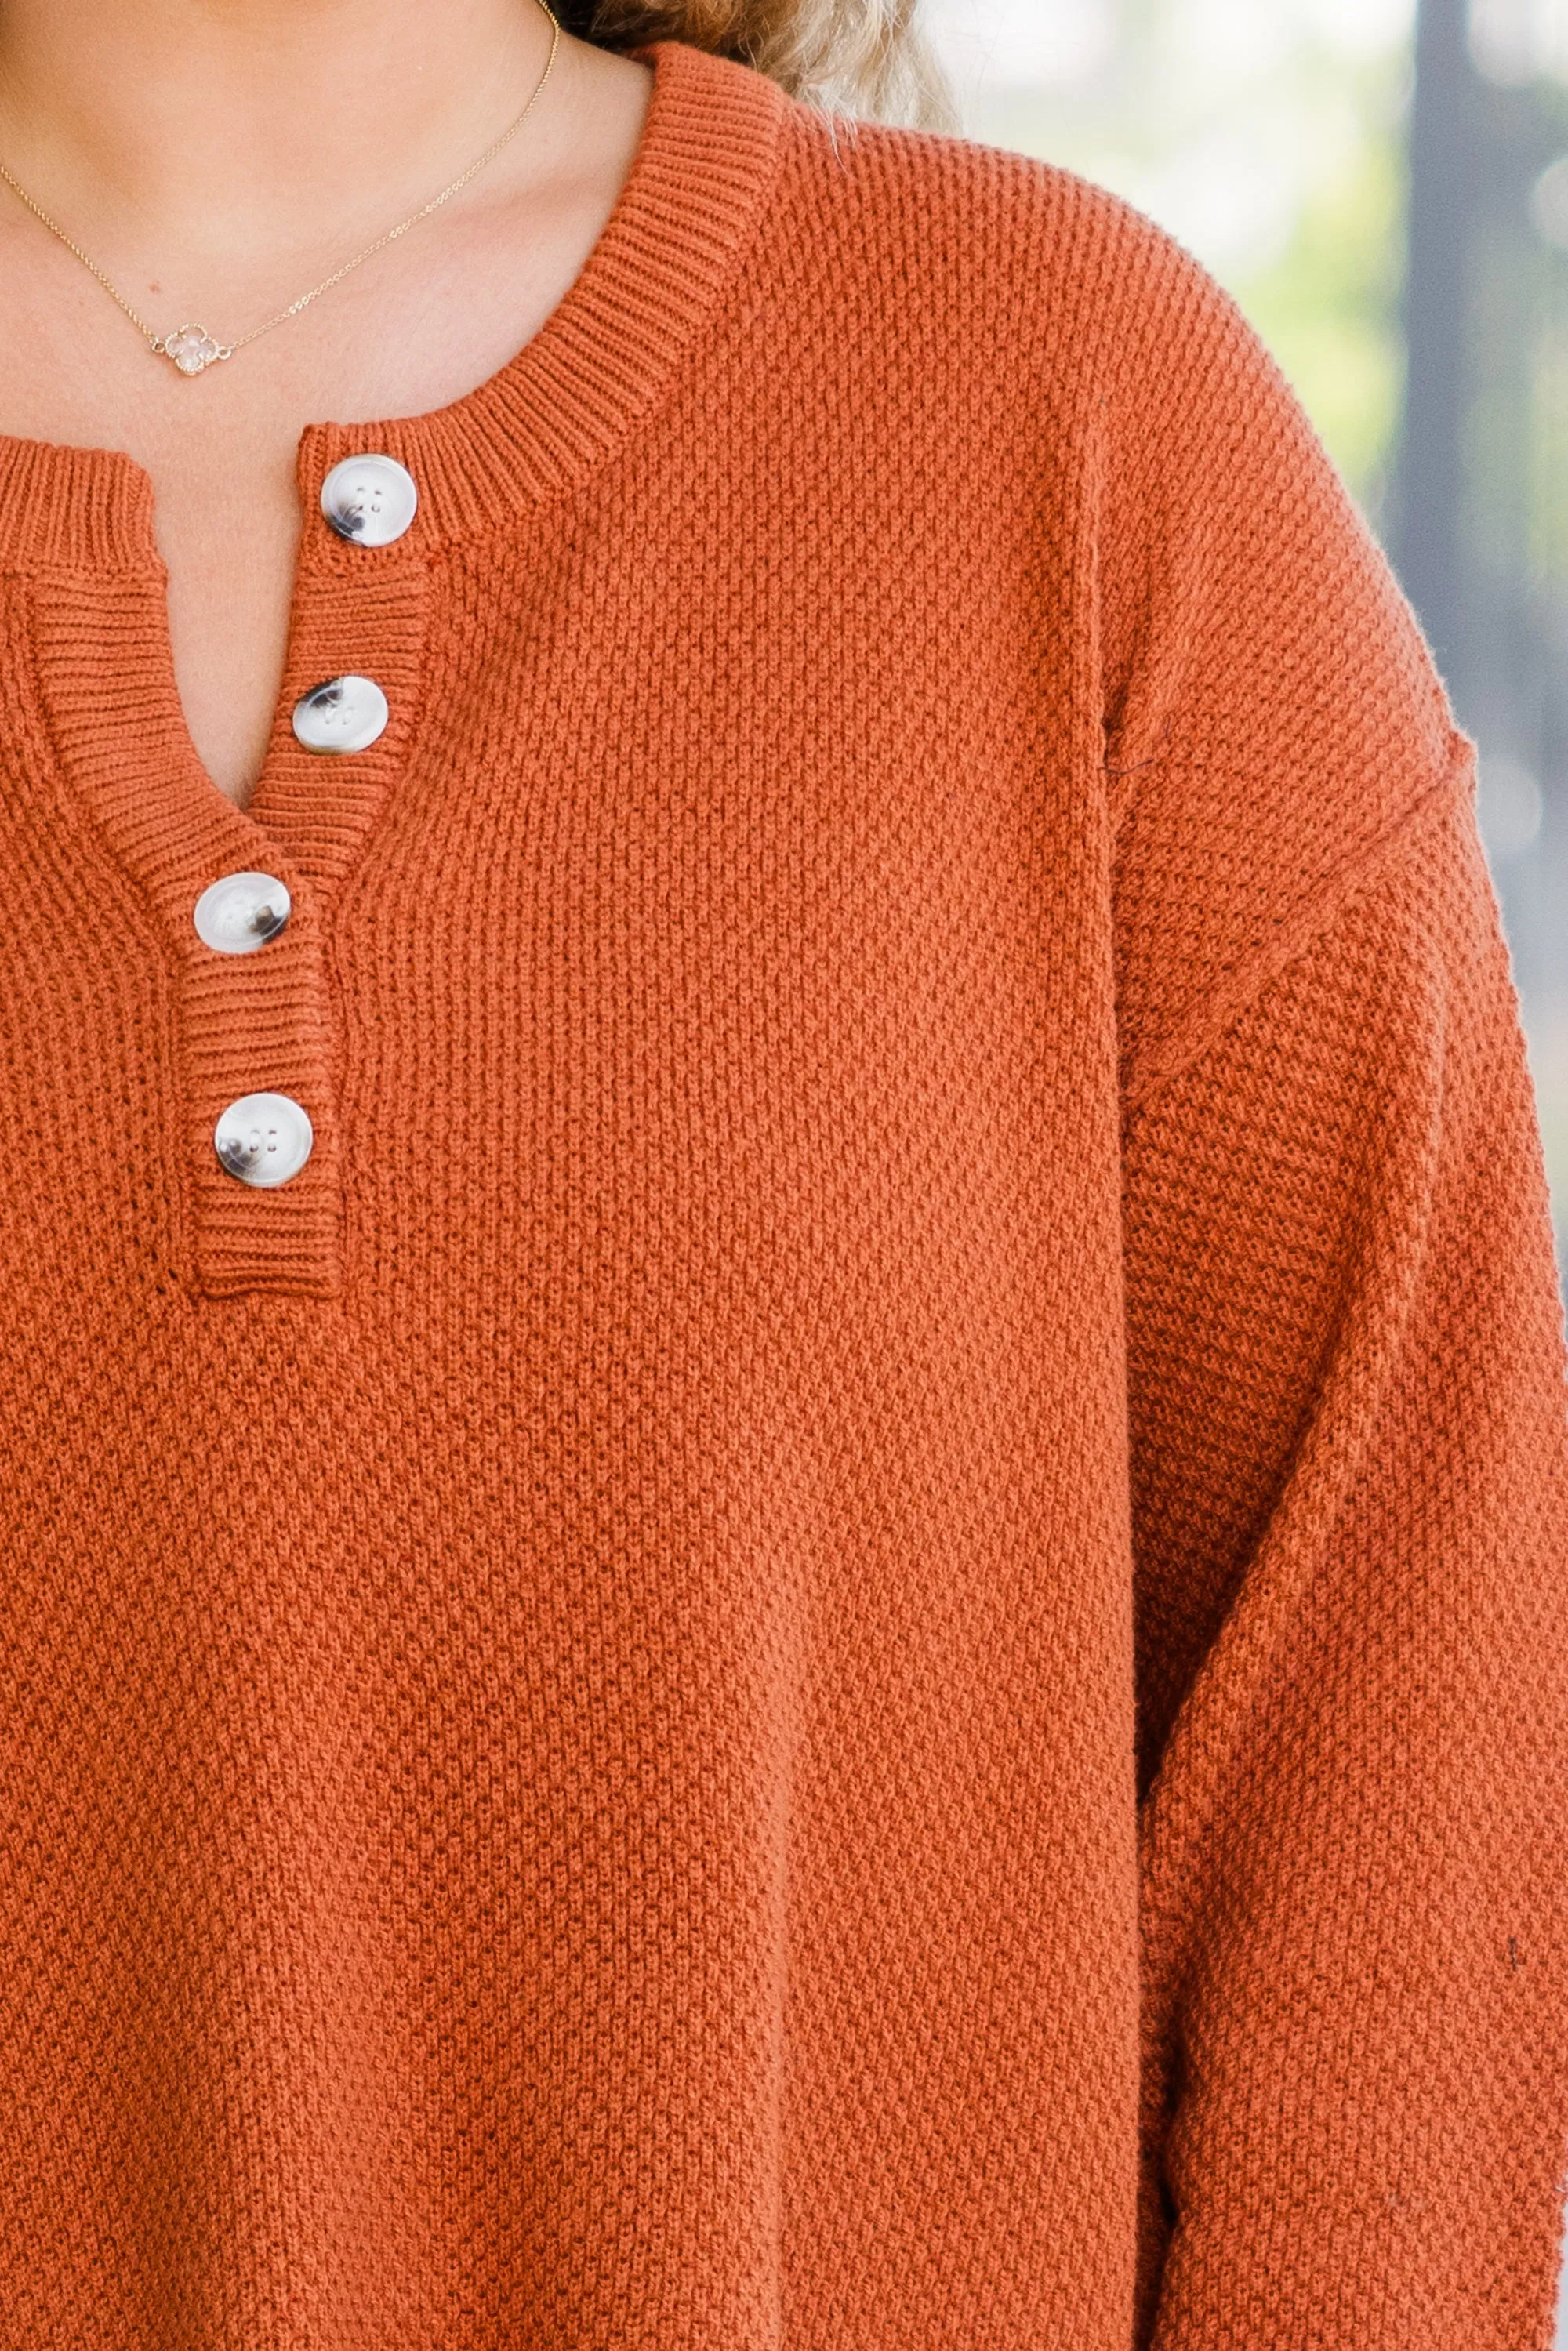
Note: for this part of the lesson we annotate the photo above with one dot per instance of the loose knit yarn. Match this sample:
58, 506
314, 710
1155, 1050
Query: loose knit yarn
849, 1633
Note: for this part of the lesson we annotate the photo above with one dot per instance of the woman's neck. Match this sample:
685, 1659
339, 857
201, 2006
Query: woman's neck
233, 134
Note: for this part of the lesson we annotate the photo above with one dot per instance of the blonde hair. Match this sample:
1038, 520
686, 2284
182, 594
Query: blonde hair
853, 58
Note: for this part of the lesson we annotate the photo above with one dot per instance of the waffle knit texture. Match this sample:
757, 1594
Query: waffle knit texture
849, 1633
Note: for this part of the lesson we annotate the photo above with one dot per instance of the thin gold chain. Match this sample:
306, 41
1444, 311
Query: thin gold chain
203, 352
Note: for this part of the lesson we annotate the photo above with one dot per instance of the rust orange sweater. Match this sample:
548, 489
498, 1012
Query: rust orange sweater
848, 1632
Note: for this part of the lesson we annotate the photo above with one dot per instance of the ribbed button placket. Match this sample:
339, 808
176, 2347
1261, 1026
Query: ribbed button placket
266, 1021
80, 523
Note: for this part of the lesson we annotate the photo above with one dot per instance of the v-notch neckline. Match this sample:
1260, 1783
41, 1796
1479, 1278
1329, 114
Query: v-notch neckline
562, 405
104, 733
366, 616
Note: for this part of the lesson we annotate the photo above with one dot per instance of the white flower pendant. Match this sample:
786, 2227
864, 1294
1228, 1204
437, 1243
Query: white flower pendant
192, 348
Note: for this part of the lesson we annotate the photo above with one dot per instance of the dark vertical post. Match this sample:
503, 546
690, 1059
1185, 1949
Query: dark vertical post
1425, 540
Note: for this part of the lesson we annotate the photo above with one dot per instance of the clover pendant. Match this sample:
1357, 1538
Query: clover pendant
192, 348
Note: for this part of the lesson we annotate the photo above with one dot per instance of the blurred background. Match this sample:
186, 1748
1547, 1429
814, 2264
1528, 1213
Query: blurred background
1382, 185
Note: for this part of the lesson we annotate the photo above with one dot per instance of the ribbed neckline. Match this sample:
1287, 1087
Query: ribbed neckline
697, 184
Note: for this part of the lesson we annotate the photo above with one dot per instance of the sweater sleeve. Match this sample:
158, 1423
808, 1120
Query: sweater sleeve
1348, 1416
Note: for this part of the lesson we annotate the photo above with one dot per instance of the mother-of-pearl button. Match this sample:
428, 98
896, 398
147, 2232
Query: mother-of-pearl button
240, 912
347, 713
369, 499
264, 1139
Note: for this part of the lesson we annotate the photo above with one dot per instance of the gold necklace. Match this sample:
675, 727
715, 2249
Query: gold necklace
192, 348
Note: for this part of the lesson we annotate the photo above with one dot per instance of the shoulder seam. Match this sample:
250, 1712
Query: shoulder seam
1294, 932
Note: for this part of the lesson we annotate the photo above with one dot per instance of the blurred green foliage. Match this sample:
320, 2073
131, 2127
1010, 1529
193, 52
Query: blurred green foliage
1239, 132
1329, 310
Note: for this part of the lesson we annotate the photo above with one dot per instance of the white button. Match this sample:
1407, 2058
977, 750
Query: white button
347, 713
263, 1138
240, 912
369, 499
